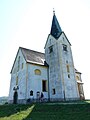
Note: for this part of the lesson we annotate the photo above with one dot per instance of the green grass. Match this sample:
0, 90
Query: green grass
46, 111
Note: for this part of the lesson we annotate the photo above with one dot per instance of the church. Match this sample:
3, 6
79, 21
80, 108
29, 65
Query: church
51, 73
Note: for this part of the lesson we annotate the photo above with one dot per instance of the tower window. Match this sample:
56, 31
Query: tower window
68, 75
63, 38
17, 80
65, 47
67, 61
68, 69
22, 65
50, 49
44, 85
53, 91
18, 63
77, 77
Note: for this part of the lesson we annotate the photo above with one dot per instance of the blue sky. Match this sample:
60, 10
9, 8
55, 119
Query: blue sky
27, 23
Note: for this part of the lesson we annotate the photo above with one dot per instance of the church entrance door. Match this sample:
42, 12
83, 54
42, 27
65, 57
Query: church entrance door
15, 97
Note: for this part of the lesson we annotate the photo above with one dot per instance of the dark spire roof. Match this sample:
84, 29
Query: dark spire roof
55, 28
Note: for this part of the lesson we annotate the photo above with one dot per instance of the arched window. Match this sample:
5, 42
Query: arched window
31, 93
68, 69
65, 47
50, 49
18, 63
17, 80
37, 72
68, 75
22, 65
53, 91
77, 77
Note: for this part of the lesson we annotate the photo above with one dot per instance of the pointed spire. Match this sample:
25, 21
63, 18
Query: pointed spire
55, 28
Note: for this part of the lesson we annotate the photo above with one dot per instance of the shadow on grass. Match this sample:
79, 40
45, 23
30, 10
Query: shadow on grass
45, 111
10, 109
79, 110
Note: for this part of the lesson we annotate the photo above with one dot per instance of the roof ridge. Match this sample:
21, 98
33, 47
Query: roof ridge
31, 50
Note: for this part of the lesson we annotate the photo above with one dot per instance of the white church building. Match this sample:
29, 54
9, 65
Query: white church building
51, 73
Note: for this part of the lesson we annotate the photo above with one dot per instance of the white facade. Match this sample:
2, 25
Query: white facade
18, 75
62, 81
51, 74
28, 80
34, 81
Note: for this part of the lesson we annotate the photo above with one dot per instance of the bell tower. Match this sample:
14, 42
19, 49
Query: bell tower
58, 56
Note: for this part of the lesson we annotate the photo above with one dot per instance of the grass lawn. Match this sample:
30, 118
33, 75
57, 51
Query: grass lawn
46, 111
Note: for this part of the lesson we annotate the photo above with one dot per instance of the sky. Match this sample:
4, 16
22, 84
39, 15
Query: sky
27, 23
